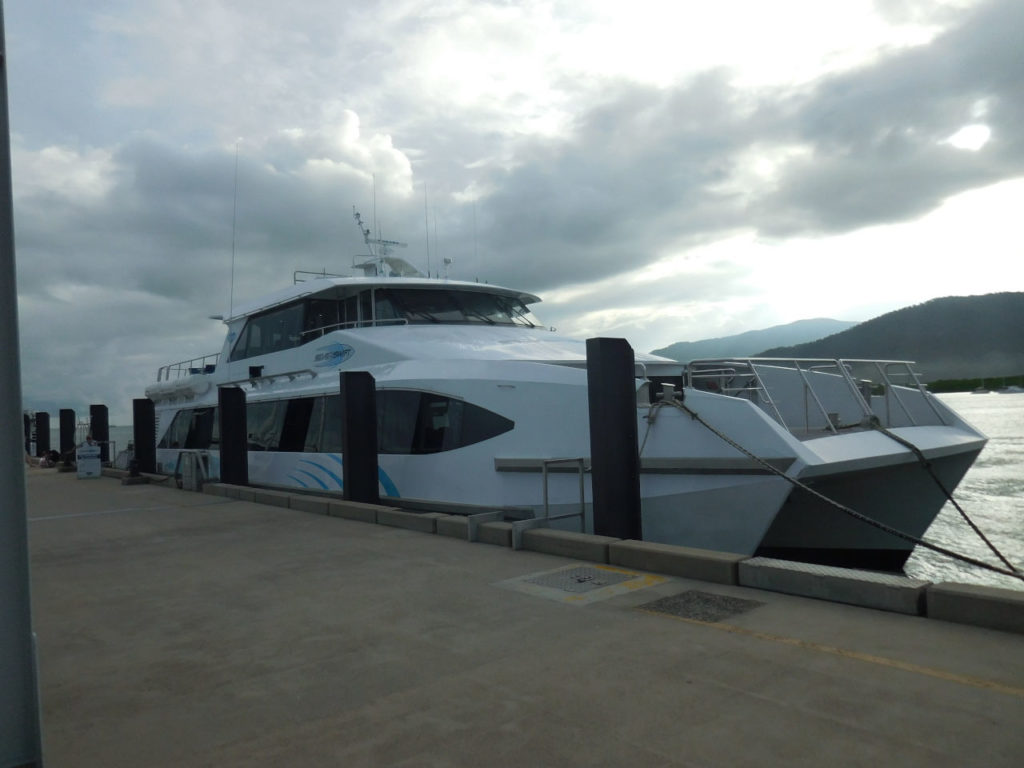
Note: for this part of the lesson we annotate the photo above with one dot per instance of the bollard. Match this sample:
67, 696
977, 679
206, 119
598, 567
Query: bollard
144, 434
99, 428
42, 432
614, 457
67, 434
234, 445
359, 437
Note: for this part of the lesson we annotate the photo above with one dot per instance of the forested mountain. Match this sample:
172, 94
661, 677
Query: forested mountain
952, 337
750, 343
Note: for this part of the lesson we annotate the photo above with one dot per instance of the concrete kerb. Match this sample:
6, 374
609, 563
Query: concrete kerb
978, 605
883, 591
990, 607
425, 522
689, 563
317, 505
456, 526
497, 533
576, 546
354, 510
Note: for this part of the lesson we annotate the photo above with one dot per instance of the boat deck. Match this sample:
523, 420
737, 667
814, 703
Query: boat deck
179, 628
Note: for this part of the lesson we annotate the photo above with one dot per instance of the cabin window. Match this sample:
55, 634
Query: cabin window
196, 428
297, 414
321, 316
263, 423
366, 308
384, 311
429, 305
408, 422
269, 332
411, 422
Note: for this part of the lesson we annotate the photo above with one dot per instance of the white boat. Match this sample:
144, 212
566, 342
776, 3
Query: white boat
479, 405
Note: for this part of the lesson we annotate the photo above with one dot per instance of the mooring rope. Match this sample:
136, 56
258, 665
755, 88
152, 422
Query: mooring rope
1013, 572
927, 465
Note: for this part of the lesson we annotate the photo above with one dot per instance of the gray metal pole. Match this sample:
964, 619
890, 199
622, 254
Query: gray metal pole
20, 731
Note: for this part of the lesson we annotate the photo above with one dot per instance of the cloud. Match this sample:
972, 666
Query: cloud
645, 168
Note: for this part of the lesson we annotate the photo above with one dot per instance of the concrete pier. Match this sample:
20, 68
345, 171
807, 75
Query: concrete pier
179, 628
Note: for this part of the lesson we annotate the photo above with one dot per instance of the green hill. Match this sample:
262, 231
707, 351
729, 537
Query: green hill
949, 338
750, 343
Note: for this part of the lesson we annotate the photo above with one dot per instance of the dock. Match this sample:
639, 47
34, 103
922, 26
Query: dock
177, 628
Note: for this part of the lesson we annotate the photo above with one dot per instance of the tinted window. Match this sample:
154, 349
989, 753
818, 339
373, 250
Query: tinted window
270, 332
196, 428
263, 424
297, 414
410, 422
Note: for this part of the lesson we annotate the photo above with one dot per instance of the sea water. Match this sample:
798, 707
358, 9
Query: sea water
992, 494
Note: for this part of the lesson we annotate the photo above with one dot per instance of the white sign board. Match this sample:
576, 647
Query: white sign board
87, 458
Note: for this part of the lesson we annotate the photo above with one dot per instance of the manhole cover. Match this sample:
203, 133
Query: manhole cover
580, 579
582, 584
701, 606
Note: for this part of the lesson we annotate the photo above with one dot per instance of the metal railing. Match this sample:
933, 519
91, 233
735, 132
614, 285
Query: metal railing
822, 400
197, 365
518, 526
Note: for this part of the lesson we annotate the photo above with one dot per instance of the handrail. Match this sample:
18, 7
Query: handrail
819, 396
271, 376
318, 275
354, 324
581, 468
197, 365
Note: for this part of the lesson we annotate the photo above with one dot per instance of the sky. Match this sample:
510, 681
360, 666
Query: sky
654, 171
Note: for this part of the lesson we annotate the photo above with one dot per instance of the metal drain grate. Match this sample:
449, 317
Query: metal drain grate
701, 606
579, 579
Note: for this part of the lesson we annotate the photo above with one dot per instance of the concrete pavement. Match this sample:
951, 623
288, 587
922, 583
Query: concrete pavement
182, 629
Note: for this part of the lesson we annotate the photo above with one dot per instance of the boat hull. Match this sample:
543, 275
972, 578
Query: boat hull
904, 496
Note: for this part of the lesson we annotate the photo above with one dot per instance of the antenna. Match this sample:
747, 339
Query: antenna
426, 225
379, 256
234, 217
384, 246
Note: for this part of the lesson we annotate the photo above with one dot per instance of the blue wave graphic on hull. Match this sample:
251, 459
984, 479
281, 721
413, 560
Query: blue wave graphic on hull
386, 483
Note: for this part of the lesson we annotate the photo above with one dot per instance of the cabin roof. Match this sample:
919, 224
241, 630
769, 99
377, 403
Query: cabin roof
323, 285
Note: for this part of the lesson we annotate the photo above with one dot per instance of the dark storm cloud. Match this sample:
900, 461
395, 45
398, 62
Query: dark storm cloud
877, 134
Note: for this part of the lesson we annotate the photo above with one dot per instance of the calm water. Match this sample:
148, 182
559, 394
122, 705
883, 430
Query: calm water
992, 494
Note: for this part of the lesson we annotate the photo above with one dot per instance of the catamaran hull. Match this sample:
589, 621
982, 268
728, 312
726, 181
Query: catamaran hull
905, 497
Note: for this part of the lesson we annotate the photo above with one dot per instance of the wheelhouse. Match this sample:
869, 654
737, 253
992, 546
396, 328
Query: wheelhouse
298, 321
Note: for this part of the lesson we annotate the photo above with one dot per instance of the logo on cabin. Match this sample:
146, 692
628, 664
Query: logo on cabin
332, 354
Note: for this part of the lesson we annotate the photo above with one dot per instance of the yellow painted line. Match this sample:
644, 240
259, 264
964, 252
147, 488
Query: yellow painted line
941, 674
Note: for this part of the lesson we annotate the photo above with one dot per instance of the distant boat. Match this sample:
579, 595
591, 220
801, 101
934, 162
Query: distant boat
981, 391
1013, 389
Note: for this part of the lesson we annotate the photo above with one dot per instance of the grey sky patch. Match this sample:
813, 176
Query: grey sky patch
544, 175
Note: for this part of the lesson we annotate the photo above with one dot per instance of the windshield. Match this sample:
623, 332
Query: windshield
448, 306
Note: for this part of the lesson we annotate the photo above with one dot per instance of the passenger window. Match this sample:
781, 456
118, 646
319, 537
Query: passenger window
331, 440
397, 416
296, 424
177, 433
263, 425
